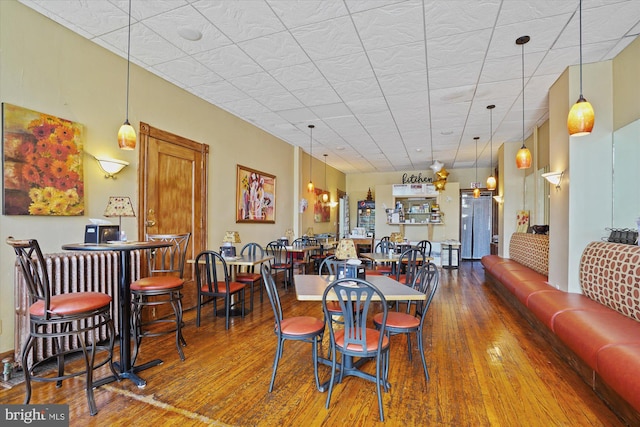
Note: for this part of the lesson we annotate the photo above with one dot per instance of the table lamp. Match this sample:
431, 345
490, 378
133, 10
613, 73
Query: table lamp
119, 206
230, 237
310, 232
396, 238
346, 250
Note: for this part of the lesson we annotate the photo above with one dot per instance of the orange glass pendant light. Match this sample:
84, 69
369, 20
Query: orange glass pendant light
126, 133
310, 186
581, 116
491, 181
523, 157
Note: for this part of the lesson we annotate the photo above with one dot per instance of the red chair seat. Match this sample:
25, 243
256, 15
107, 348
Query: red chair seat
73, 303
281, 265
248, 277
398, 320
157, 283
301, 325
372, 341
222, 287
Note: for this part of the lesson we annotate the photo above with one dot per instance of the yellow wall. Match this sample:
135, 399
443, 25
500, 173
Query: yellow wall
47, 68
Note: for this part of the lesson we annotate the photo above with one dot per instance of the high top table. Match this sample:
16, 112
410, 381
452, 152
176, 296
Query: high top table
125, 367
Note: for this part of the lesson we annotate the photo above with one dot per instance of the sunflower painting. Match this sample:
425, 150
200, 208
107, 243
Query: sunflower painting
42, 164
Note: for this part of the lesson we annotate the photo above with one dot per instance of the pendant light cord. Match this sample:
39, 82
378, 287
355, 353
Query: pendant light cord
523, 146
581, 49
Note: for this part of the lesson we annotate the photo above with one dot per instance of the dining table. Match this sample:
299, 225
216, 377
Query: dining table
124, 366
311, 288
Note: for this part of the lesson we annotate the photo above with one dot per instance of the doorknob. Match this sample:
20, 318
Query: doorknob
150, 221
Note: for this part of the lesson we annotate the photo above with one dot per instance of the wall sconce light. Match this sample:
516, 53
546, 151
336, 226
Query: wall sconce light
499, 199
554, 178
111, 167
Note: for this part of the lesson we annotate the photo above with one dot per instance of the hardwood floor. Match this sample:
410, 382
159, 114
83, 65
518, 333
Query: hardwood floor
487, 368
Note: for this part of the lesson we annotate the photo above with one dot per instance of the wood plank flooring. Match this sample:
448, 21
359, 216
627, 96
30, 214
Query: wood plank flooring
487, 368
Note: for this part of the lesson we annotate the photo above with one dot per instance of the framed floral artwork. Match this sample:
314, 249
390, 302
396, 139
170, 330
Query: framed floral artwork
321, 209
255, 196
42, 163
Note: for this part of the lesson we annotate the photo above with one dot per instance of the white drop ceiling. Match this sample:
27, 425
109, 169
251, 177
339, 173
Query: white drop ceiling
389, 85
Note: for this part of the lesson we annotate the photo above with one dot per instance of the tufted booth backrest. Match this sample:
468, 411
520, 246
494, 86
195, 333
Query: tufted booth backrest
610, 275
530, 250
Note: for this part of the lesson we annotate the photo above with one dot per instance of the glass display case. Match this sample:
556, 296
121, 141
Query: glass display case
367, 216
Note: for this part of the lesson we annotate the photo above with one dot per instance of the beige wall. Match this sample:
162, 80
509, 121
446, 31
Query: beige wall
626, 85
47, 68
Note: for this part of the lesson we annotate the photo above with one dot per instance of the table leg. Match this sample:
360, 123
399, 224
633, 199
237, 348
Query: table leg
124, 365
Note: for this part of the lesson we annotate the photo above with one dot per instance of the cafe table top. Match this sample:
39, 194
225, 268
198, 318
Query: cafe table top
310, 287
242, 260
379, 257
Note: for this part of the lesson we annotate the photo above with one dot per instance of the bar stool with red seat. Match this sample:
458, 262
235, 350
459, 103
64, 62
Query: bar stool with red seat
72, 317
163, 286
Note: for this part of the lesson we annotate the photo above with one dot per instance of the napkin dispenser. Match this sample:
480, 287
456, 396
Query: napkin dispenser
350, 271
228, 251
99, 233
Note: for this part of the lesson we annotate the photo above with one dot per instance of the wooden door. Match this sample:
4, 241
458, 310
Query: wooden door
172, 179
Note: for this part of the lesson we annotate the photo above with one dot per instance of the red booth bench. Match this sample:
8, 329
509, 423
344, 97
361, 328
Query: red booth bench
596, 332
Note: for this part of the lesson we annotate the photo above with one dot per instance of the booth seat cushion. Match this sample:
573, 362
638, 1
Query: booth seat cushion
586, 332
547, 304
525, 288
619, 367
512, 279
489, 260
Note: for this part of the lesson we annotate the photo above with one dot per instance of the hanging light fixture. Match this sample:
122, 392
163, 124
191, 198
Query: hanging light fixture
581, 117
491, 181
476, 190
310, 186
126, 134
523, 157
325, 195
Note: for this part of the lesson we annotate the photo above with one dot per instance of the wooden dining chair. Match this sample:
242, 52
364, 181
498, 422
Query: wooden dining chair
213, 282
57, 319
426, 281
300, 328
355, 338
249, 276
163, 286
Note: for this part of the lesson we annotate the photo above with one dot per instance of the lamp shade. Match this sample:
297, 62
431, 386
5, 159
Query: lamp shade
346, 250
310, 232
231, 237
523, 158
126, 137
119, 206
491, 183
396, 237
581, 118
111, 167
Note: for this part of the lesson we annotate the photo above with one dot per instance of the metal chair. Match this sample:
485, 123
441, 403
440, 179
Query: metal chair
357, 340
384, 247
300, 328
410, 260
212, 280
58, 319
426, 281
249, 276
425, 246
163, 286
299, 259
280, 260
